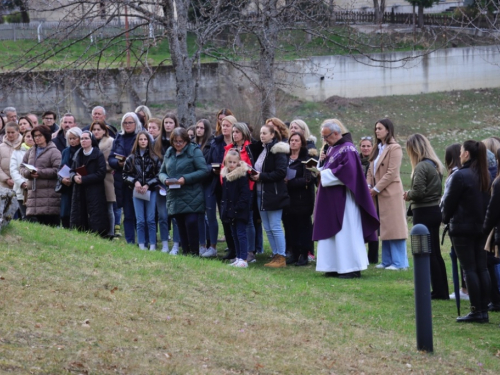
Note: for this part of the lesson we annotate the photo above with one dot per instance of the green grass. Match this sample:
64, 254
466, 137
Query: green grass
74, 303
55, 53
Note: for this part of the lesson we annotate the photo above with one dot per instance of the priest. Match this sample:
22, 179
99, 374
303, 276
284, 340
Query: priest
344, 217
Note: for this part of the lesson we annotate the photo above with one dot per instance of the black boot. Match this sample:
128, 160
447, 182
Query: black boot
302, 261
231, 254
474, 317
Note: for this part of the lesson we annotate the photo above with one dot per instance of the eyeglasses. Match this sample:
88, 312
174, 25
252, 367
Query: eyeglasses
326, 136
179, 142
129, 123
38, 136
366, 138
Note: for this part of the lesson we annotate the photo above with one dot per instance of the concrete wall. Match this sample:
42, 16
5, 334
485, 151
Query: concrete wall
314, 79
360, 76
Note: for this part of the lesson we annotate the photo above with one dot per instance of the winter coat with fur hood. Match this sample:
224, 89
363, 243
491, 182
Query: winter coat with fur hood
272, 178
236, 196
6, 150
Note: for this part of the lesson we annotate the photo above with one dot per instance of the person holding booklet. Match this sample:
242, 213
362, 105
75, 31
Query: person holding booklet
40, 164
297, 217
183, 170
88, 172
140, 174
73, 139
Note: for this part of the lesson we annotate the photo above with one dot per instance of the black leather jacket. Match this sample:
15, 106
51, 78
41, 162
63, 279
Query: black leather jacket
464, 205
143, 169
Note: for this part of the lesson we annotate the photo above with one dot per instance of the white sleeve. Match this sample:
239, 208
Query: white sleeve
15, 164
329, 179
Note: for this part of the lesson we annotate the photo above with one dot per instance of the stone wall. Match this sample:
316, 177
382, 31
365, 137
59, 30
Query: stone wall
314, 79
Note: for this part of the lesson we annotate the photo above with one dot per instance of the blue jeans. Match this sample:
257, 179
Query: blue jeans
161, 206
239, 230
128, 215
211, 210
145, 217
118, 214
259, 238
394, 253
250, 228
271, 220
203, 228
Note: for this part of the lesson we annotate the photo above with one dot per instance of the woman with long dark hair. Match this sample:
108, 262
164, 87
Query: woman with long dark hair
463, 209
385, 185
424, 197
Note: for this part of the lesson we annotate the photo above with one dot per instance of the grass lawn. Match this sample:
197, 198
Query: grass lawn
72, 303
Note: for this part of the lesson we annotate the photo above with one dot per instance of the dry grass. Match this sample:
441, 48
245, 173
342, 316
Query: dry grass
72, 303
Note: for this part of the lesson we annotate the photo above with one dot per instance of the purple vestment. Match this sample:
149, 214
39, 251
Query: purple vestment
343, 160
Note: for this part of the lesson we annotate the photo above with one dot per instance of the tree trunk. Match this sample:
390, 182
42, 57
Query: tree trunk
268, 40
420, 16
379, 10
186, 84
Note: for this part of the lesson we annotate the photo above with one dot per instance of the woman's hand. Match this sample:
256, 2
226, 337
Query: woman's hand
34, 175
138, 187
144, 189
405, 196
78, 179
66, 181
373, 192
10, 182
181, 181
24, 185
322, 156
255, 177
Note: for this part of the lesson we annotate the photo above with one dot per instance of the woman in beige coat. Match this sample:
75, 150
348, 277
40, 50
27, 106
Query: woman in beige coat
387, 191
11, 141
101, 134
43, 204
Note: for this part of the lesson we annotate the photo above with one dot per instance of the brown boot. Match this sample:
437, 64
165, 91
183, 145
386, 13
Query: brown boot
279, 261
273, 259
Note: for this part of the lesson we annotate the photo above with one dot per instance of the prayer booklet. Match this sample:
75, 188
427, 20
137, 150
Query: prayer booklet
290, 173
82, 171
310, 163
120, 157
145, 197
30, 167
172, 183
64, 172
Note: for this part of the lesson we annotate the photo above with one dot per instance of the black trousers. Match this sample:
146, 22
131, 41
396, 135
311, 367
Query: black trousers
189, 233
471, 254
431, 218
373, 252
226, 226
298, 234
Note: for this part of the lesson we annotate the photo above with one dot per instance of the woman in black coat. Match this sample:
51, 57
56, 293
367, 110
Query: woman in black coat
297, 217
88, 211
271, 162
464, 207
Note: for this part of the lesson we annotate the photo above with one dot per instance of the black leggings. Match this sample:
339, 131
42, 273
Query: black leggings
471, 254
189, 233
431, 218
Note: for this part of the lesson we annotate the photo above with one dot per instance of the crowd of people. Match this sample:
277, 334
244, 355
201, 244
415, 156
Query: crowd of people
156, 176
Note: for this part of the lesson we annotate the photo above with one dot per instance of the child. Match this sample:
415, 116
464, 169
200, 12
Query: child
235, 205
140, 173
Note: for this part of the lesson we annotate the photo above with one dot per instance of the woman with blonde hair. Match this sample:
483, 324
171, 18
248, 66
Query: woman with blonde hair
424, 197
386, 189
299, 126
219, 117
280, 127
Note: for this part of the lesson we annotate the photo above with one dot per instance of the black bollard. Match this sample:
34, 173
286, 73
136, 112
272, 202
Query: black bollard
421, 248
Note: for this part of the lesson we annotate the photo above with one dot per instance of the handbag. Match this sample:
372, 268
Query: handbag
59, 186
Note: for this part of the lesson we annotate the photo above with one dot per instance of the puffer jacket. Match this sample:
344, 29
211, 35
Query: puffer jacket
464, 205
426, 185
236, 196
274, 191
88, 203
143, 169
15, 170
42, 198
301, 188
191, 165
105, 145
6, 150
492, 219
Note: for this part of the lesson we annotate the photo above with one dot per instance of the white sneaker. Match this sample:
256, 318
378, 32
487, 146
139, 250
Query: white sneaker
463, 296
210, 253
175, 249
240, 263
380, 266
203, 250
234, 261
164, 248
152, 247
142, 247
392, 268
